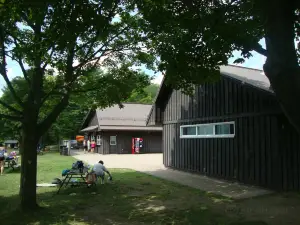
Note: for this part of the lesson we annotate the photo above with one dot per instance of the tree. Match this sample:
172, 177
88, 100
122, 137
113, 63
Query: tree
146, 96
69, 40
69, 121
10, 129
193, 38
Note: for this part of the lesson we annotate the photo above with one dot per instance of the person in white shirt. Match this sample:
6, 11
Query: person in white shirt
89, 145
100, 170
84, 146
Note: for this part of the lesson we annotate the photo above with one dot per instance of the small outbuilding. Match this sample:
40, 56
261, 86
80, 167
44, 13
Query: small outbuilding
122, 130
233, 129
11, 143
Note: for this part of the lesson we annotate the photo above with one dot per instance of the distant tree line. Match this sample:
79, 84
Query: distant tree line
69, 122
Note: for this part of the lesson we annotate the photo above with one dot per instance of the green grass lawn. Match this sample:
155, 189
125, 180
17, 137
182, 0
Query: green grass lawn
132, 198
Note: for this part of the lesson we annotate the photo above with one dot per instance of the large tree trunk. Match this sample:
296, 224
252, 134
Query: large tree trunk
28, 168
282, 66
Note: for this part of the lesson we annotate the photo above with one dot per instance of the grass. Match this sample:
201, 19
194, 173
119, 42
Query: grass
132, 198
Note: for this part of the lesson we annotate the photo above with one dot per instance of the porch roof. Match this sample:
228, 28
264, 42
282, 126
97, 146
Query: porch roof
136, 128
91, 128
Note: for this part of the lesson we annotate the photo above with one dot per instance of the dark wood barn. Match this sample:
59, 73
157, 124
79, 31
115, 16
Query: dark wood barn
233, 129
113, 129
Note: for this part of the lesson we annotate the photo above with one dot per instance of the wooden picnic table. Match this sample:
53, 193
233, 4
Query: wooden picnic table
12, 162
71, 175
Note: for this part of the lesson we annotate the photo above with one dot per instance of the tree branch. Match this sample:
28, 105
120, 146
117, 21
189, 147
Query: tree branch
3, 70
259, 49
102, 48
50, 56
23, 70
52, 116
10, 107
9, 117
19, 60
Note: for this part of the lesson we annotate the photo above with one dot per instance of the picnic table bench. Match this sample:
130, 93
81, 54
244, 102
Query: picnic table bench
11, 162
74, 174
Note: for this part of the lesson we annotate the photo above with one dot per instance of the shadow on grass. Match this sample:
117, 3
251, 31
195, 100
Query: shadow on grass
10, 170
132, 198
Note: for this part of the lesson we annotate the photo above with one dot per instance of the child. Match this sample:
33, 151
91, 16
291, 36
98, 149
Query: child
93, 145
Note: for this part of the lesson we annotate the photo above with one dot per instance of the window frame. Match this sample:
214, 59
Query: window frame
115, 140
93, 138
98, 140
209, 135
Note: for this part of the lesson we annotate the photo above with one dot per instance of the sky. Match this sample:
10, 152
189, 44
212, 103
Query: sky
256, 62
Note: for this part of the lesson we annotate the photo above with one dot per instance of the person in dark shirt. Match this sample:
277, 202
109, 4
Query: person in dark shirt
2, 160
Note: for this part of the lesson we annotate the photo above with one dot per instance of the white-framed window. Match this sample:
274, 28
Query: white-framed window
208, 130
92, 138
99, 140
113, 140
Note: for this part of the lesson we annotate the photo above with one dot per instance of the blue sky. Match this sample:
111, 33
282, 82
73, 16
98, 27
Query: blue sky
256, 62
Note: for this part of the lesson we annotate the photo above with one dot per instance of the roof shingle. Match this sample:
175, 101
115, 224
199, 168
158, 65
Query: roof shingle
129, 115
250, 76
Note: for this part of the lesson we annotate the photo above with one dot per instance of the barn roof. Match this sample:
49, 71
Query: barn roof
250, 76
131, 117
11, 142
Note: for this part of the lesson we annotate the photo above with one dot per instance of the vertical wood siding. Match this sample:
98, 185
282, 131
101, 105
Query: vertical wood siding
264, 151
155, 117
151, 120
253, 156
93, 121
225, 97
152, 142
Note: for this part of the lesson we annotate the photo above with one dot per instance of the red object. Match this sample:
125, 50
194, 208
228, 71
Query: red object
132, 145
137, 145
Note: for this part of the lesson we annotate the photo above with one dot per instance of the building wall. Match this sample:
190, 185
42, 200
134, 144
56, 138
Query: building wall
94, 120
152, 142
217, 100
151, 120
264, 151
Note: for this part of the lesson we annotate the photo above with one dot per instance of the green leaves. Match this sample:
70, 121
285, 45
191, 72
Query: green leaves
193, 38
68, 45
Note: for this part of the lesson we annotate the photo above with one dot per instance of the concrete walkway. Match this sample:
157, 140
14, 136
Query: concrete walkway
153, 164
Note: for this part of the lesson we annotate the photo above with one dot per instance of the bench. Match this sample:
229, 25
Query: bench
12, 163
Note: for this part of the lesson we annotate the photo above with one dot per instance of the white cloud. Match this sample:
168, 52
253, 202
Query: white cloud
158, 79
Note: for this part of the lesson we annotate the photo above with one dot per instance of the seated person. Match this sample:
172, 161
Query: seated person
100, 170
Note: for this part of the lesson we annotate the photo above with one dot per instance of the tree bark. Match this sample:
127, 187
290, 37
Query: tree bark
28, 168
282, 66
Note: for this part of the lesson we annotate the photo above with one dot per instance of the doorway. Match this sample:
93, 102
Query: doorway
113, 145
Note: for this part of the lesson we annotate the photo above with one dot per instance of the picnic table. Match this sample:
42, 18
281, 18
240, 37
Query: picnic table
12, 162
74, 174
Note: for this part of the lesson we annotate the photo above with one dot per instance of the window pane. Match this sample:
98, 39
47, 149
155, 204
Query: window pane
189, 131
98, 140
113, 140
224, 129
205, 130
